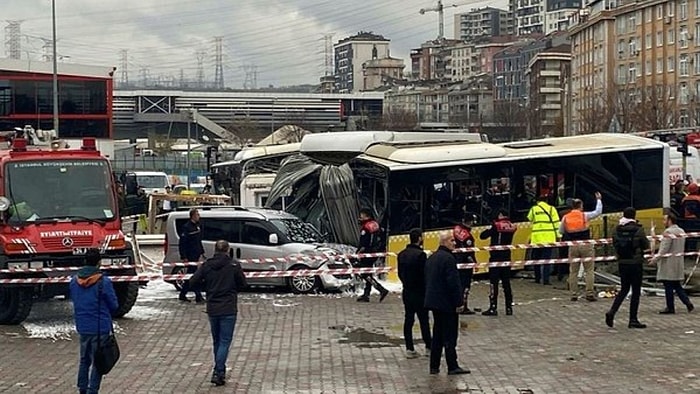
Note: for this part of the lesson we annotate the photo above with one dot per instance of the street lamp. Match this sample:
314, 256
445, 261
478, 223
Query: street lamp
55, 69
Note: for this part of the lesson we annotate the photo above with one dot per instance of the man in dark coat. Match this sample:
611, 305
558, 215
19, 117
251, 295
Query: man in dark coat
412, 276
191, 250
443, 296
630, 244
222, 278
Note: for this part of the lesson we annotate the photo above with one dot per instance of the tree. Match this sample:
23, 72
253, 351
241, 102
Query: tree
512, 120
399, 120
655, 111
597, 114
247, 130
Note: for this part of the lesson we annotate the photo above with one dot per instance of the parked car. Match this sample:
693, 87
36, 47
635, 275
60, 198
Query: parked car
256, 233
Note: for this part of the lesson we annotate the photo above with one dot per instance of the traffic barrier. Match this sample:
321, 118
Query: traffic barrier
600, 241
266, 274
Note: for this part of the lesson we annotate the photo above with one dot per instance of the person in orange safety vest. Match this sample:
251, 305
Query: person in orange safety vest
575, 227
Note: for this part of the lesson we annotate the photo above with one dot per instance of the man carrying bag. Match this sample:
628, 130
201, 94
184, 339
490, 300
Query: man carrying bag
94, 301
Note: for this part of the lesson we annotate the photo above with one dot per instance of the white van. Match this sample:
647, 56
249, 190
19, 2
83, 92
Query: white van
152, 181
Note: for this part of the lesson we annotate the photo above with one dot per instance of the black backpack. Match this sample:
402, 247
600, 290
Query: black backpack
625, 243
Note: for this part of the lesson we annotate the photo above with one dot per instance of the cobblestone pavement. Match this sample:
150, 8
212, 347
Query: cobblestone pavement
332, 344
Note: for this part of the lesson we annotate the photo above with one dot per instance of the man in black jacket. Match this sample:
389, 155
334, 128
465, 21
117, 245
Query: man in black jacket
630, 243
370, 242
412, 276
443, 296
222, 278
501, 233
191, 250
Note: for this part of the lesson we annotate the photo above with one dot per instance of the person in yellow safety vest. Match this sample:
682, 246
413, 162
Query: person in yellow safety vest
545, 226
575, 227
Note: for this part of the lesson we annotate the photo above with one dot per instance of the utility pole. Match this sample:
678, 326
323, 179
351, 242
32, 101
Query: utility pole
13, 39
200, 69
55, 70
219, 60
124, 71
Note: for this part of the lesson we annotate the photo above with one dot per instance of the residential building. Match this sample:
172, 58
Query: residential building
376, 72
510, 65
486, 49
429, 100
547, 95
463, 61
542, 16
635, 66
430, 60
480, 22
471, 102
351, 53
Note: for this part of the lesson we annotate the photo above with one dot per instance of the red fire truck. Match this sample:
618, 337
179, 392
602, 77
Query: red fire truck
55, 204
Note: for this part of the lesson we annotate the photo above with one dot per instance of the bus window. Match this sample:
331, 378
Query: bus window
406, 209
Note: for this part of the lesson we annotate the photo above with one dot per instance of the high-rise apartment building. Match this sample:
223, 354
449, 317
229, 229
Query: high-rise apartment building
635, 65
351, 53
542, 16
480, 22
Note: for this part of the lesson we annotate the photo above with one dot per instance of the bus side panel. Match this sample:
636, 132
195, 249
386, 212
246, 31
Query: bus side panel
397, 243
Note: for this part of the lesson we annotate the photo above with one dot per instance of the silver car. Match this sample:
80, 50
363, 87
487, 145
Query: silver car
256, 233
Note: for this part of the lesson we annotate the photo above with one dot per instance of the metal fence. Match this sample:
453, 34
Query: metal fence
170, 164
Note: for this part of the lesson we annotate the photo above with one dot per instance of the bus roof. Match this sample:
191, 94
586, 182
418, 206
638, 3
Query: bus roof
260, 151
341, 147
406, 156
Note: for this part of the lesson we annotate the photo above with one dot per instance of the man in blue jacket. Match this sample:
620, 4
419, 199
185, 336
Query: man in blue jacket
443, 296
94, 301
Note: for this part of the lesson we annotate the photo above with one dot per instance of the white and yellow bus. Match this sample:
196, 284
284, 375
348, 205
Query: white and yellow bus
429, 185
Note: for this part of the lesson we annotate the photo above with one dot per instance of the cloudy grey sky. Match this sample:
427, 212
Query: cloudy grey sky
282, 38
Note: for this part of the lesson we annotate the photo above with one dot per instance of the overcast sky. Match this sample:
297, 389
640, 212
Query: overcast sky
282, 38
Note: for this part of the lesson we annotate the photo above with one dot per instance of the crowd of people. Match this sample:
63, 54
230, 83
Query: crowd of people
435, 284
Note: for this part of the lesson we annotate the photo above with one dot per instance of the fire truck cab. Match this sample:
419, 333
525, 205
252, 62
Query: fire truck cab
55, 204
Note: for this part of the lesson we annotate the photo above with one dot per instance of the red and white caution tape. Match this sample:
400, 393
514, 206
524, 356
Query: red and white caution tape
673, 254
497, 264
600, 241
271, 260
264, 274
60, 269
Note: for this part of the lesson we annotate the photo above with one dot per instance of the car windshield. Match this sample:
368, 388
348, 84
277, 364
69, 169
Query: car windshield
152, 181
297, 230
80, 189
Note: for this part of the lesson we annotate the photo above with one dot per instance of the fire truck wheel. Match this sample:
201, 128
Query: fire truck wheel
15, 305
127, 292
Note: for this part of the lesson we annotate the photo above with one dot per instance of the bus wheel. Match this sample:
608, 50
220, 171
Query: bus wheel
303, 284
127, 292
15, 305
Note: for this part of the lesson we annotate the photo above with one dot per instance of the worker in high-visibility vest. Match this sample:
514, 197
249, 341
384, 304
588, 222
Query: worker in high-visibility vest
575, 227
545, 229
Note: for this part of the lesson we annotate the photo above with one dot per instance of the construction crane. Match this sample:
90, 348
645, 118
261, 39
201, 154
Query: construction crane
440, 9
